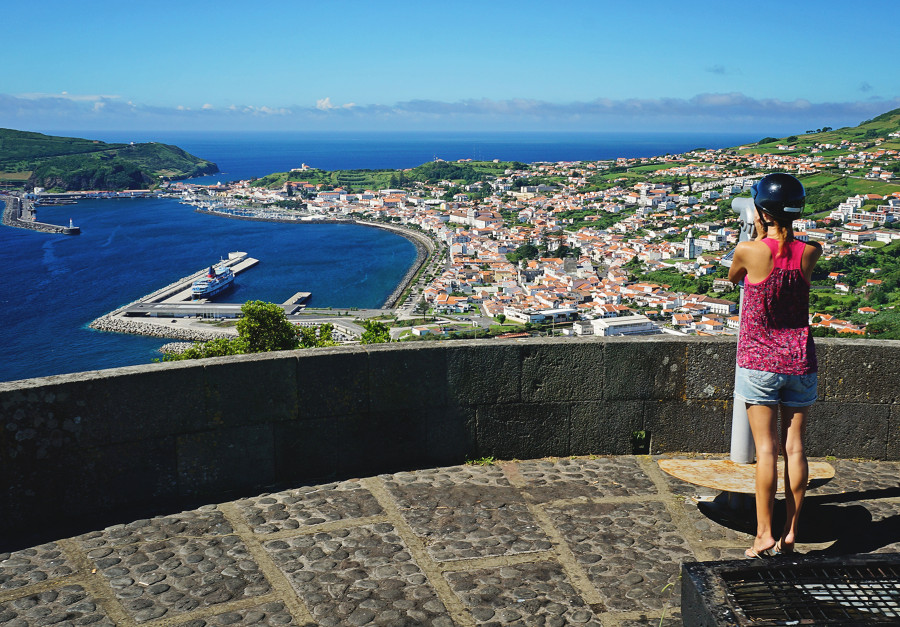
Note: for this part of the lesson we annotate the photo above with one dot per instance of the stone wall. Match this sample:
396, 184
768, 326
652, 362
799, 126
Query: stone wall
95, 445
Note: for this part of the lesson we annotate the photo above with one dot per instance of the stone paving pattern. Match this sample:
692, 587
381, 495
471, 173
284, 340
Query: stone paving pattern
593, 541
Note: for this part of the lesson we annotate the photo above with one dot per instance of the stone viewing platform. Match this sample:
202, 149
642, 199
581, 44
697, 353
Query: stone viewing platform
328, 486
584, 541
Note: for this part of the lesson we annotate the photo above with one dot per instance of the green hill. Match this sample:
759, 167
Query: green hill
869, 132
72, 163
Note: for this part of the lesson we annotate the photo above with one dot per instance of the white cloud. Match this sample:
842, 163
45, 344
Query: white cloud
710, 111
67, 96
325, 104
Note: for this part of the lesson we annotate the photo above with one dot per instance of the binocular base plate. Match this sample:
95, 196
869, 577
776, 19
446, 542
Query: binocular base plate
728, 476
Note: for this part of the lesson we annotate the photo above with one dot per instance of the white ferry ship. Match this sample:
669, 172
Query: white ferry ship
218, 279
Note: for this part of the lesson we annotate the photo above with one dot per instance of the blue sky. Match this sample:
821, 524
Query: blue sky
769, 67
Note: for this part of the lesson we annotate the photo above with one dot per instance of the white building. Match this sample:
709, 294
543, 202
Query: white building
623, 325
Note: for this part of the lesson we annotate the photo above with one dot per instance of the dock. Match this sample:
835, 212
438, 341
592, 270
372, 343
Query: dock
180, 291
171, 311
298, 299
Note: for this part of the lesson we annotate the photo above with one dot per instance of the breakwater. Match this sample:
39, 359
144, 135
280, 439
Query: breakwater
118, 321
116, 324
16, 208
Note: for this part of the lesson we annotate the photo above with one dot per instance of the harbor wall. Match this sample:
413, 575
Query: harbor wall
12, 212
99, 446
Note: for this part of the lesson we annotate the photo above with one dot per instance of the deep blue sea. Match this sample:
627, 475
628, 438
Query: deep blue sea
53, 286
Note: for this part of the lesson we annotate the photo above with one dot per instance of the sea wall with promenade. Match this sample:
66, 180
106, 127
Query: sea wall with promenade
101, 445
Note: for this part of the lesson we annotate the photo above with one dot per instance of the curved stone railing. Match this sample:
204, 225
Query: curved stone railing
99, 446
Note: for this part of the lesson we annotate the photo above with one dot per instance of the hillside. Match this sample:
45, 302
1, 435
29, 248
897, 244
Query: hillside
72, 163
870, 131
359, 180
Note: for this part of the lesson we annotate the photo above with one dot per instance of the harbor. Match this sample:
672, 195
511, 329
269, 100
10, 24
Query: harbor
20, 213
173, 312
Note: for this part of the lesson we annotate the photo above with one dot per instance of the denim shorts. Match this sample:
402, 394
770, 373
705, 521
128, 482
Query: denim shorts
758, 387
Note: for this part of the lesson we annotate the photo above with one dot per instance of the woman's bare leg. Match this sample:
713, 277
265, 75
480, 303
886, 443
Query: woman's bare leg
764, 425
796, 469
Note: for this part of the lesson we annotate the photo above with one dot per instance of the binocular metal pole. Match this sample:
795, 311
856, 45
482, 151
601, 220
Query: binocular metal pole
736, 507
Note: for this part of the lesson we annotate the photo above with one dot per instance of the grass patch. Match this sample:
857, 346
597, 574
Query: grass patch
15, 176
481, 461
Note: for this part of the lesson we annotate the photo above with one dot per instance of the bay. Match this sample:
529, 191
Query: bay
54, 286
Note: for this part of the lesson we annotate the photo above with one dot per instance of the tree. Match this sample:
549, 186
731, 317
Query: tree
422, 308
265, 327
501, 318
376, 332
316, 336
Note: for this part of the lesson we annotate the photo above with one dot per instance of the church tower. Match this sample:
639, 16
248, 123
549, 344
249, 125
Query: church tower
690, 246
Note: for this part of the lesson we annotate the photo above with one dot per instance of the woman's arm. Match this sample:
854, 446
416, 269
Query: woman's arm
738, 269
811, 255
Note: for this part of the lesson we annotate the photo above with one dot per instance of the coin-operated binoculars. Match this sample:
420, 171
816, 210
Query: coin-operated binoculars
742, 449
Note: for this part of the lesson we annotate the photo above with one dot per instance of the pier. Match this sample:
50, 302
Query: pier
20, 213
171, 312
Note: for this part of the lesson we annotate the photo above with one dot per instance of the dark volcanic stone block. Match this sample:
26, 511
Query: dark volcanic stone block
860, 370
523, 431
642, 370
893, 447
450, 435
90, 482
225, 460
308, 449
483, 373
701, 426
605, 427
332, 382
254, 389
99, 408
407, 378
835, 427
562, 370
710, 369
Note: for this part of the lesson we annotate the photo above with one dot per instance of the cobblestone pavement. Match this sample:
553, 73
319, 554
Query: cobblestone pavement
578, 541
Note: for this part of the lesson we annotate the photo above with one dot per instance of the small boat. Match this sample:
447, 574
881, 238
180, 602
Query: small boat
217, 280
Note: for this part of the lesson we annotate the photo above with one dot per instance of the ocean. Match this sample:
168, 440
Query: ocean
55, 285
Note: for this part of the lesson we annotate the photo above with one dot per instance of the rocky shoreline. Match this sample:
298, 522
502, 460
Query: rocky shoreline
424, 248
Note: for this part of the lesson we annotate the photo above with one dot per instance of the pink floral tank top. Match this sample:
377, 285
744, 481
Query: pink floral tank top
774, 334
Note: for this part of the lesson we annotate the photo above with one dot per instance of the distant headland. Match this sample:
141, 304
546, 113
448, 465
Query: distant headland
71, 163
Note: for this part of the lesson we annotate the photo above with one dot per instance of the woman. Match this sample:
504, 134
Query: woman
777, 365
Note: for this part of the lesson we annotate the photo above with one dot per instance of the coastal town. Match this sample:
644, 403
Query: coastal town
543, 246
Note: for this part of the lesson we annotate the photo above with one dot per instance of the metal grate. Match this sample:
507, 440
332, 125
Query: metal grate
793, 594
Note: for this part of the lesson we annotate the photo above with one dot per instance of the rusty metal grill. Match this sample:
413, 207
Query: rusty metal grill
807, 594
